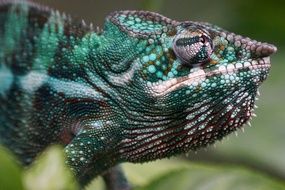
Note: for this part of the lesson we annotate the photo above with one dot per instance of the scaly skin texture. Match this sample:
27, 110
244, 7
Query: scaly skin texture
144, 88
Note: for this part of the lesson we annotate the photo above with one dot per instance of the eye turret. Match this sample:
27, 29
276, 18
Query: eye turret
193, 47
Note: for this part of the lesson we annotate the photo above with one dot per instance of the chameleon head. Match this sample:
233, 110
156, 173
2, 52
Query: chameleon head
199, 83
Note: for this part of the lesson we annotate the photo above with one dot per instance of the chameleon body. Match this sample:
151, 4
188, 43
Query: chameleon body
145, 87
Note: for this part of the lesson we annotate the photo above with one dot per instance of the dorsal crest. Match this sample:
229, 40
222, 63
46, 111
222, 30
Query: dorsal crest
142, 23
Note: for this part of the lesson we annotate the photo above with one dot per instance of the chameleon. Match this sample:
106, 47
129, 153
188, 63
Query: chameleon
142, 88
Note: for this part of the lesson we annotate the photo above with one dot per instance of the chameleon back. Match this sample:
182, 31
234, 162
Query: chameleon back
31, 114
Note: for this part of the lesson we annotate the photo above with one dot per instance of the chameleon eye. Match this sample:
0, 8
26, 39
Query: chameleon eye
193, 48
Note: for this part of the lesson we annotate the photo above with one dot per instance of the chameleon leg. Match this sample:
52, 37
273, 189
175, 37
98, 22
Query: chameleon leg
91, 152
115, 179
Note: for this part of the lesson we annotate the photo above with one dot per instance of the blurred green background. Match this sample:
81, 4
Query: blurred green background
252, 160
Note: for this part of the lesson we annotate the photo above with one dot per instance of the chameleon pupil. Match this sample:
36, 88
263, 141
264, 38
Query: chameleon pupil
187, 41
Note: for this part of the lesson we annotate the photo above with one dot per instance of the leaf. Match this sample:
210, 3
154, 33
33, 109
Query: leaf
49, 172
10, 172
180, 175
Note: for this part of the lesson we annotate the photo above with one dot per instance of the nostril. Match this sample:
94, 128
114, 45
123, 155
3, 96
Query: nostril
264, 49
239, 54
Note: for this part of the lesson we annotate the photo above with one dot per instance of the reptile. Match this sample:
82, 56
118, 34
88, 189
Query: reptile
142, 88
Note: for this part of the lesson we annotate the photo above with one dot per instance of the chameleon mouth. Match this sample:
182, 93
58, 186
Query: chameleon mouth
198, 74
